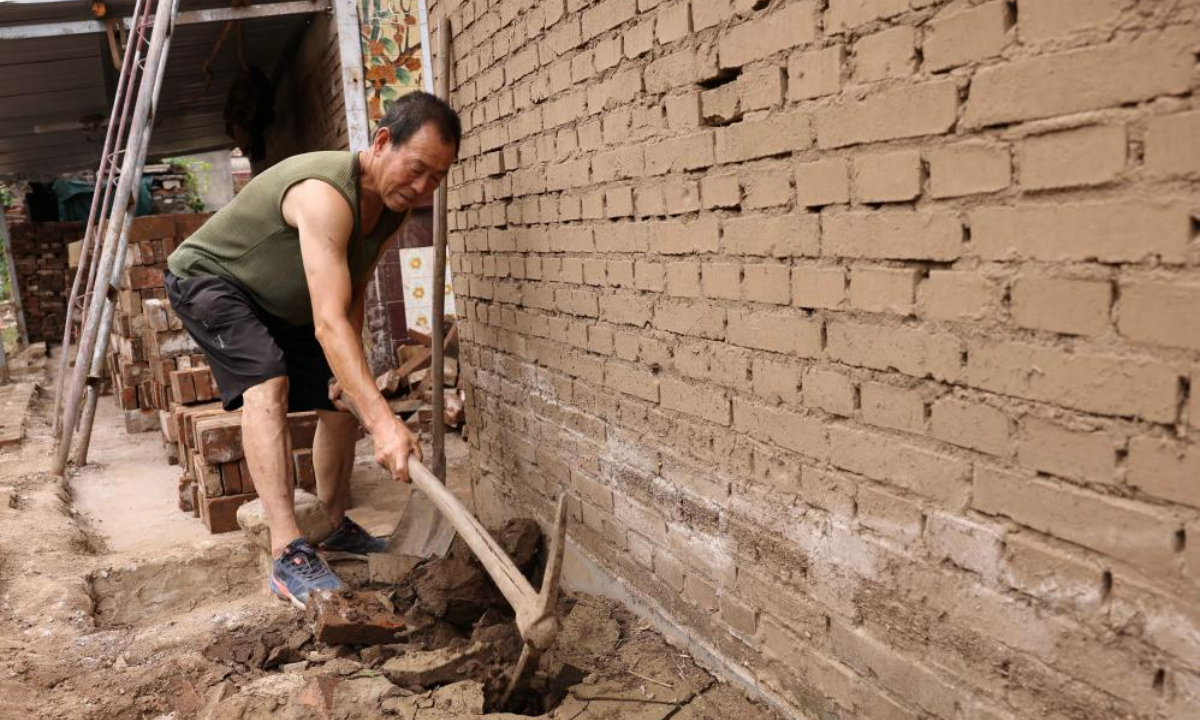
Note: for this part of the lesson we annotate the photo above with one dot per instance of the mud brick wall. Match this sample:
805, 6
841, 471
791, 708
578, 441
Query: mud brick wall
862, 333
40, 254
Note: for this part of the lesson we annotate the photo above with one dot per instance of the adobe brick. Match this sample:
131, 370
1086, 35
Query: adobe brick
776, 332
816, 73
914, 352
683, 110
1124, 529
683, 67
958, 38
767, 283
720, 191
677, 238
618, 164
631, 380
683, 279
893, 235
760, 89
888, 290
606, 15
618, 202
1165, 469
1160, 314
970, 424
957, 295
1076, 455
1076, 307
829, 491
620, 89
794, 24
779, 134
1057, 576
694, 319
739, 617
767, 189
649, 201
669, 570
848, 14
674, 22
591, 205
1171, 147
800, 433
702, 401
721, 280
1078, 80
681, 196
689, 152
889, 460
776, 381
893, 407
1083, 231
968, 168
927, 109
711, 12
902, 674
830, 391
648, 276
824, 182
1103, 384
889, 514
638, 39
886, 54
818, 287
967, 542
607, 53
626, 309
1085, 156
793, 235
1046, 19
721, 105
887, 177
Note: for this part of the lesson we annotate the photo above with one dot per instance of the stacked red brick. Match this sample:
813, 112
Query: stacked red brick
148, 341
40, 254
216, 479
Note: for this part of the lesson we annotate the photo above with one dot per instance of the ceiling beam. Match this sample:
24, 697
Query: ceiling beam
189, 17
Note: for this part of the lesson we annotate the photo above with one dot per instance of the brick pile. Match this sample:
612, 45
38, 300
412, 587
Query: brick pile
216, 480
862, 333
148, 341
40, 254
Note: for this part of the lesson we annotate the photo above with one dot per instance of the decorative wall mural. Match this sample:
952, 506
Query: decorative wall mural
391, 40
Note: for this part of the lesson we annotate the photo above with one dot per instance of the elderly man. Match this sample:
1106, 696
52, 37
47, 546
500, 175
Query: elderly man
272, 288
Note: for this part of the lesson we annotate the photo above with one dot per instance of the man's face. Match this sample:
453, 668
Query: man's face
410, 172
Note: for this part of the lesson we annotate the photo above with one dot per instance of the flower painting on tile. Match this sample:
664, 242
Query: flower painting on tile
391, 39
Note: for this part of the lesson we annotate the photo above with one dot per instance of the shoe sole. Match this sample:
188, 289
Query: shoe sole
340, 555
282, 593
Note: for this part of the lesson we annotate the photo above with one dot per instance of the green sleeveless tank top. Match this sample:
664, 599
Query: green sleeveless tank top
248, 240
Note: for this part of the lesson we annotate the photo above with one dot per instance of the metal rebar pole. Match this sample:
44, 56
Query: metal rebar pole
125, 199
112, 138
96, 370
438, 368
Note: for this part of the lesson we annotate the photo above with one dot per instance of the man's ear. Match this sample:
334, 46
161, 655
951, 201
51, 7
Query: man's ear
383, 138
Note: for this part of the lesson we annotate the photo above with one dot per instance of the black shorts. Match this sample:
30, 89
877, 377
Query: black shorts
246, 345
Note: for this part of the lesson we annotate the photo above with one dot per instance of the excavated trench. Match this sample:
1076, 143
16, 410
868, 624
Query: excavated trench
440, 643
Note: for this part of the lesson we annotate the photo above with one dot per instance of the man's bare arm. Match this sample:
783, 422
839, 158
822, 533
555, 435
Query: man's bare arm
325, 223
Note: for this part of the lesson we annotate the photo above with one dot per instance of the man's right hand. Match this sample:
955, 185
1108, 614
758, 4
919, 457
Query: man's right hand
393, 444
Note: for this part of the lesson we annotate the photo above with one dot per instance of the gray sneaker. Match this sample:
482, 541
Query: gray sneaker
299, 571
351, 541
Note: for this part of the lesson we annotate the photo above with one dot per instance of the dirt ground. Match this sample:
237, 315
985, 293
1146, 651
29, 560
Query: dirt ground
114, 604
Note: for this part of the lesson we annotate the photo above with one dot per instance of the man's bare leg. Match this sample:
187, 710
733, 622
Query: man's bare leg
265, 441
333, 460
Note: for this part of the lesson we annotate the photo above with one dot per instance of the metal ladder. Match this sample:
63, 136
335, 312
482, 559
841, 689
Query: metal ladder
140, 80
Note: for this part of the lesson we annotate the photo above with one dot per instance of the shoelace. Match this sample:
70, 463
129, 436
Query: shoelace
306, 564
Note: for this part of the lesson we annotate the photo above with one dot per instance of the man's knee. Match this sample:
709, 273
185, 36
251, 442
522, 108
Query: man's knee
268, 394
341, 424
